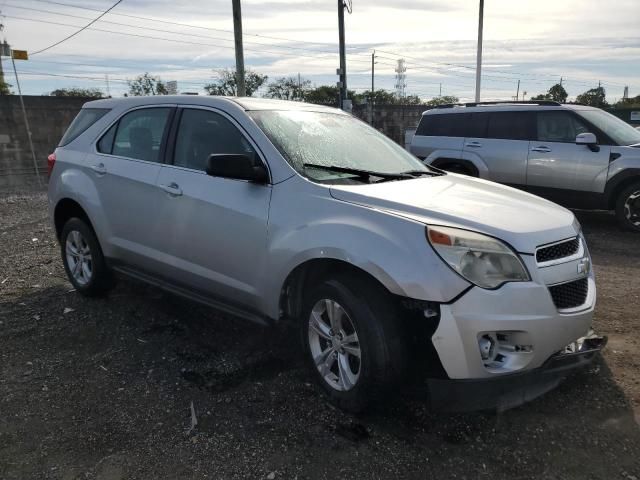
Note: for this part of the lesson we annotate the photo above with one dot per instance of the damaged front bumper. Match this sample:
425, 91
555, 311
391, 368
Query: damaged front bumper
506, 391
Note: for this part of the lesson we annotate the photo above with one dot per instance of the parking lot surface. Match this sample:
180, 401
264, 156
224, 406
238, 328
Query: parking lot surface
104, 388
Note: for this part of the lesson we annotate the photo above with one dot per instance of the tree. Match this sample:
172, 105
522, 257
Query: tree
595, 97
556, 93
288, 89
410, 100
632, 102
326, 95
444, 100
380, 97
146, 84
78, 92
227, 83
4, 88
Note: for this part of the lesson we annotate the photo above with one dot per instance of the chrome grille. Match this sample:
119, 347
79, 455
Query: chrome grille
558, 250
571, 294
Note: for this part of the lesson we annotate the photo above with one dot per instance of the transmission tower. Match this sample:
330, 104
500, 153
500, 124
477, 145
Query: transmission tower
401, 79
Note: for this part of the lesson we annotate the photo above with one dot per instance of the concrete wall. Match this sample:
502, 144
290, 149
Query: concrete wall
48, 118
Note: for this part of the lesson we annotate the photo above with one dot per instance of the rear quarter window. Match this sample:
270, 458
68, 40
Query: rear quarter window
85, 118
442, 125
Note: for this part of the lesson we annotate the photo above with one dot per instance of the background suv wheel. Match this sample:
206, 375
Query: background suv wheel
83, 260
628, 208
351, 337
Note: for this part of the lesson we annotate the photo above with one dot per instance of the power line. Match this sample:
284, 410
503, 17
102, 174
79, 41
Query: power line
194, 35
83, 28
181, 24
186, 42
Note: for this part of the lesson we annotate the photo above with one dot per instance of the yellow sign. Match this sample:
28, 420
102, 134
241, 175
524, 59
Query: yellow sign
19, 55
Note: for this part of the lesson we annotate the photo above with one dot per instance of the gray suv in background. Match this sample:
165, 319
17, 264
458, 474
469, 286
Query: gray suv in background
578, 156
282, 211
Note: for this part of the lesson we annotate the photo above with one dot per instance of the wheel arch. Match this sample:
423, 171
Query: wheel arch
618, 183
470, 168
65, 209
312, 271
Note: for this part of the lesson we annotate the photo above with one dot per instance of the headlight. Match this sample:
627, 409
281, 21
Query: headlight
483, 260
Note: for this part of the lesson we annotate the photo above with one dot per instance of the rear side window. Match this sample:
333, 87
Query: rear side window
84, 119
442, 125
137, 134
510, 126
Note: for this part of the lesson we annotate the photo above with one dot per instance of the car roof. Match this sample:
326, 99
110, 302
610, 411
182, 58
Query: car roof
246, 103
505, 107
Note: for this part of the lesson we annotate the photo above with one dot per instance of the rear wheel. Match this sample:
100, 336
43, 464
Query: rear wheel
628, 208
352, 341
83, 260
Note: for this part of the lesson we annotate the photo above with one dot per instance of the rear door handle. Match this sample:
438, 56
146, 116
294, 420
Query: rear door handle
541, 148
473, 144
99, 169
172, 189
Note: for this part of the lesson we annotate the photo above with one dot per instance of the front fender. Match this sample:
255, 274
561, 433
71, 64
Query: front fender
392, 249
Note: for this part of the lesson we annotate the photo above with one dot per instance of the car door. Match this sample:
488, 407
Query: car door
501, 141
216, 227
126, 166
555, 161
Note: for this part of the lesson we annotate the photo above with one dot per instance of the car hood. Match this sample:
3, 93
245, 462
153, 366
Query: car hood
521, 219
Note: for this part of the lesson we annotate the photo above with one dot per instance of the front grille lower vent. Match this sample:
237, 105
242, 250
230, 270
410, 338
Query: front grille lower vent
559, 250
571, 294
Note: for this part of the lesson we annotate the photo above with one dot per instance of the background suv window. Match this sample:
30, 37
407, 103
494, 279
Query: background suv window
139, 134
442, 125
559, 126
202, 133
84, 119
510, 126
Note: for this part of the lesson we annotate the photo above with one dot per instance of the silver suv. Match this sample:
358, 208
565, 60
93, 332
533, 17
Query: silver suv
580, 157
278, 211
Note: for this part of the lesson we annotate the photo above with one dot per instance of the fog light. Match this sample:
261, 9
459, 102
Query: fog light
487, 347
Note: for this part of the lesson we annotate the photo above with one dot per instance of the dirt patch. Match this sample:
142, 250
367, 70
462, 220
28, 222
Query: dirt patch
104, 390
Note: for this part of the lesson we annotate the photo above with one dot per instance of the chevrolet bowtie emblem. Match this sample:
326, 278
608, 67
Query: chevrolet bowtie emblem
584, 265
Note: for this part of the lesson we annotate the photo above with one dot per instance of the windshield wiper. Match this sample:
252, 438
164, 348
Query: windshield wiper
431, 173
366, 174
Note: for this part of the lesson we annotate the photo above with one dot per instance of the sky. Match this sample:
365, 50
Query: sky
537, 42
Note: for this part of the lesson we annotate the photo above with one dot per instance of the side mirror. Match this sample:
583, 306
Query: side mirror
236, 166
588, 140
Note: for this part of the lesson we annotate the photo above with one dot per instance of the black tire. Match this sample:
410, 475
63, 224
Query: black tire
628, 208
100, 281
373, 314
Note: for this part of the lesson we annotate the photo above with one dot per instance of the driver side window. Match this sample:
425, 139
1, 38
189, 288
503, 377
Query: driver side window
202, 133
559, 126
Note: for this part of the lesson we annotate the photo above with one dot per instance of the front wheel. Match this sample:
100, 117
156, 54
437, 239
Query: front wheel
352, 341
628, 208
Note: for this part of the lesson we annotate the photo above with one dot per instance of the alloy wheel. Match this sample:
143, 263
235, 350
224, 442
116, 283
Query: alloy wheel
334, 345
632, 208
79, 258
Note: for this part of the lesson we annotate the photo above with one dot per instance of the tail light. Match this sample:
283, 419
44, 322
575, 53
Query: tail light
51, 161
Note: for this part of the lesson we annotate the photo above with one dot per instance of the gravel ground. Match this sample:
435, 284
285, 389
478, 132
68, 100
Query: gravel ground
103, 388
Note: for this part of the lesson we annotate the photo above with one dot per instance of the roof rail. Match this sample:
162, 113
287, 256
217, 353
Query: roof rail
504, 102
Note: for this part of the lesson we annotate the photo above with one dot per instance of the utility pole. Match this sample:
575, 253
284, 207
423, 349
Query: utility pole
440, 91
479, 59
106, 77
237, 33
518, 91
26, 120
342, 72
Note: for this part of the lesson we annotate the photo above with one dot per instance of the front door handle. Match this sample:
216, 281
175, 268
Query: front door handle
541, 148
473, 144
172, 189
99, 169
